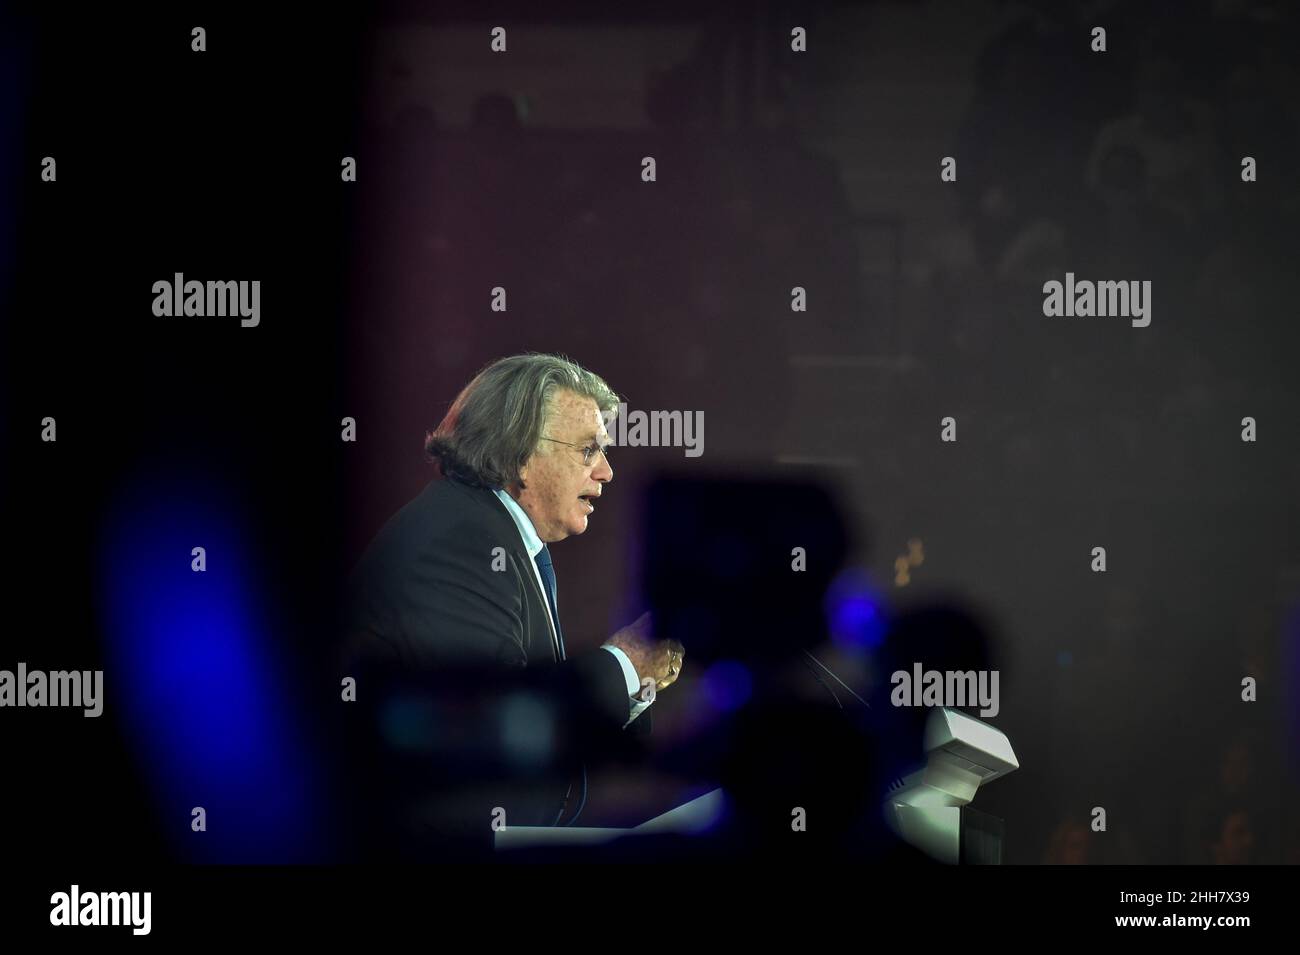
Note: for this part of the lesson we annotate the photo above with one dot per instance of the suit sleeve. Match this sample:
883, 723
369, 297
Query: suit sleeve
600, 674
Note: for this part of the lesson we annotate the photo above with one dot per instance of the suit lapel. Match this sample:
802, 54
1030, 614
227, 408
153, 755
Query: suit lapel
532, 590
524, 567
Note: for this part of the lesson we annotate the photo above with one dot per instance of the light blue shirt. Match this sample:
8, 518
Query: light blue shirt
533, 544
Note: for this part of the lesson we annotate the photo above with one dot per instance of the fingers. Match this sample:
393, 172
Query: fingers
676, 655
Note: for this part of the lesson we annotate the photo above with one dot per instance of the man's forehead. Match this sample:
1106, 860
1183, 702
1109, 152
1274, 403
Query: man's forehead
579, 413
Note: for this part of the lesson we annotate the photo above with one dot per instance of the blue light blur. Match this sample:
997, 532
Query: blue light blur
726, 685
191, 679
854, 611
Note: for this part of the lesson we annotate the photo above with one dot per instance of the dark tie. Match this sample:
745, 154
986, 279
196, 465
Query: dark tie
547, 569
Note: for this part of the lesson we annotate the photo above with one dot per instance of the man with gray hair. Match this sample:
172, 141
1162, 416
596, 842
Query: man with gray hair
462, 574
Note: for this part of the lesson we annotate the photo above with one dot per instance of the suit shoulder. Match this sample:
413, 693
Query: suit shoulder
435, 560
445, 515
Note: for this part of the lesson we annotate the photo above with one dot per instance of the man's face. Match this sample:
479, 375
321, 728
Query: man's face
558, 483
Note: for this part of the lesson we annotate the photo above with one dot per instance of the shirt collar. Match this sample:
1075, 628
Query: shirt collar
532, 543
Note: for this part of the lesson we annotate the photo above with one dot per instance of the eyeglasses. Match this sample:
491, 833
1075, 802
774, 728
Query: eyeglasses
589, 451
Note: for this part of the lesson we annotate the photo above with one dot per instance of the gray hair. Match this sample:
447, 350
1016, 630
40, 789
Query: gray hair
496, 422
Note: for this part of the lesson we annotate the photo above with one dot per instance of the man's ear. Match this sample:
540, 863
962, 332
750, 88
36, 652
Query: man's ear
518, 485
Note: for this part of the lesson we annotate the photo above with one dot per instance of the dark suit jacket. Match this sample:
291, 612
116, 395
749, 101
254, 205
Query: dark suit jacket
425, 597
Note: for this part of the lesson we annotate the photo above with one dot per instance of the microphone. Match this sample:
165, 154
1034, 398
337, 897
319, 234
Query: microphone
836, 679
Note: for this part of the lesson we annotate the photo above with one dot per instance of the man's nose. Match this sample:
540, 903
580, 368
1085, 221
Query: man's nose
603, 472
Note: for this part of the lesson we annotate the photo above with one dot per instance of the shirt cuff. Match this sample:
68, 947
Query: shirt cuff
632, 680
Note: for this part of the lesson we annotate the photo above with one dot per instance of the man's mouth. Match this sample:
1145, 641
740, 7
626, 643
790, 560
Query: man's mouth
589, 500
